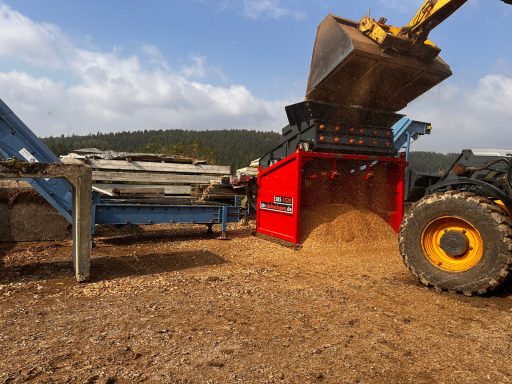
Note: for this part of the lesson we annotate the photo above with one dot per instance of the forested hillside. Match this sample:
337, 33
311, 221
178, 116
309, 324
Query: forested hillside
236, 148
230, 147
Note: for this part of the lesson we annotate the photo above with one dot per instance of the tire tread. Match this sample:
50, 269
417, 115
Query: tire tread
503, 224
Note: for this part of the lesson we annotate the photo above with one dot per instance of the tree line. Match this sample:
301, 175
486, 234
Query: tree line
236, 148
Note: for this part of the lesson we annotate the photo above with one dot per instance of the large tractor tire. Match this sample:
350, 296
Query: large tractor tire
457, 241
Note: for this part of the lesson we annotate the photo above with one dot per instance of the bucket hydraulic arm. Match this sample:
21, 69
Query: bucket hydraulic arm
412, 38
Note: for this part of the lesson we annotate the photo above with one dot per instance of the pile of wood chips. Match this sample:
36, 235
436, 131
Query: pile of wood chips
343, 226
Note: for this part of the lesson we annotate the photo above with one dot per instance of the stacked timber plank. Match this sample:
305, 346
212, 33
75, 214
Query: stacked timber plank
94, 153
126, 174
251, 170
217, 190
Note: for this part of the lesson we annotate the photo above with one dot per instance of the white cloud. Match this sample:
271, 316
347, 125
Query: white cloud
105, 91
467, 117
261, 9
37, 43
273, 9
155, 56
270, 8
197, 69
110, 92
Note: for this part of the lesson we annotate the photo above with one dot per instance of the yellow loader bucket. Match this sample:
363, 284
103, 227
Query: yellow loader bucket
350, 69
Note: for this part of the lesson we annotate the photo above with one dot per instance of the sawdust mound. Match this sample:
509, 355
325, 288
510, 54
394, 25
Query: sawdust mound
343, 226
26, 216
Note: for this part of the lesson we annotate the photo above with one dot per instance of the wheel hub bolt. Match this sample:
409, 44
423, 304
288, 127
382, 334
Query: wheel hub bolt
455, 243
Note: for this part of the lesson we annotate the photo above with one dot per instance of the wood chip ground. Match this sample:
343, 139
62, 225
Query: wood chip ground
169, 305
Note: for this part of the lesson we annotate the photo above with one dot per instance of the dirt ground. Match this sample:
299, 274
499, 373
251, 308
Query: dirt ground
168, 304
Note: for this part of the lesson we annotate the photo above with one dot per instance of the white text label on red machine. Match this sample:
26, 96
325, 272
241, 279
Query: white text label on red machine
281, 204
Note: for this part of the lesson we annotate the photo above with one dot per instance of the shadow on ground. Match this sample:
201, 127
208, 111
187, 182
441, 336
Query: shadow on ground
164, 236
500, 299
112, 267
4, 251
108, 268
505, 290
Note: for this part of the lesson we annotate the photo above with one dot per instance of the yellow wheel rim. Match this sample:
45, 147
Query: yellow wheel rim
466, 258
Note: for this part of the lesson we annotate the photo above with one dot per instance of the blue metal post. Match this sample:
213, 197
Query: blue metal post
224, 223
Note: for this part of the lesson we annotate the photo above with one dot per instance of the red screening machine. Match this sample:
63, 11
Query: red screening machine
339, 147
319, 162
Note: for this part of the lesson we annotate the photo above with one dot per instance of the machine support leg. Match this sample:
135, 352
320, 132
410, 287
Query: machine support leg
224, 223
210, 228
82, 204
80, 178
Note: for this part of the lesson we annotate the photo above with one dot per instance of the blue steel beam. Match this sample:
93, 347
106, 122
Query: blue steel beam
406, 130
17, 141
161, 214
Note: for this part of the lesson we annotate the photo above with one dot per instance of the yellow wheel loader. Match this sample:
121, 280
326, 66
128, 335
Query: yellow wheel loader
457, 236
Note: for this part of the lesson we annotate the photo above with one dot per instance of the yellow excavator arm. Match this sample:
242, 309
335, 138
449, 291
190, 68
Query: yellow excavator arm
377, 66
412, 38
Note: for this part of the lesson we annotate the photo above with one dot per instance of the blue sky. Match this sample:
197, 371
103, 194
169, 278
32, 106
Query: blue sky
70, 66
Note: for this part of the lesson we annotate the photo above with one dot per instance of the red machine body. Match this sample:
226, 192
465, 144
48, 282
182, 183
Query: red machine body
306, 180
